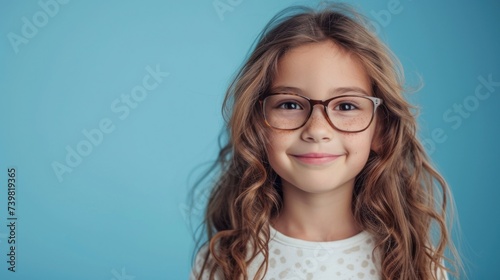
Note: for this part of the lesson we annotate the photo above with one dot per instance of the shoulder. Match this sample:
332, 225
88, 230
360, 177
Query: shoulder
202, 257
442, 274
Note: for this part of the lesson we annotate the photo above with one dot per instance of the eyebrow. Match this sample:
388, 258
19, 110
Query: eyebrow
333, 92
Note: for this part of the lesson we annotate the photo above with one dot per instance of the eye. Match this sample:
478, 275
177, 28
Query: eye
290, 105
345, 107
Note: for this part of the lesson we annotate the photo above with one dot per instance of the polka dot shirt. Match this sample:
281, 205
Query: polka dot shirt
295, 259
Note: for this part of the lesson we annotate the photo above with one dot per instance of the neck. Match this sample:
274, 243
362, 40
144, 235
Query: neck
317, 216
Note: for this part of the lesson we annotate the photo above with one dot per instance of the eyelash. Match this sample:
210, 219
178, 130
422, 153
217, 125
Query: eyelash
352, 106
282, 104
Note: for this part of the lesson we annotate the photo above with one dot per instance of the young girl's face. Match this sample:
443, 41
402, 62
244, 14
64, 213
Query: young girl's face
317, 158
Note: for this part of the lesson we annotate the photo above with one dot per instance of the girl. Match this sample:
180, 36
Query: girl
323, 176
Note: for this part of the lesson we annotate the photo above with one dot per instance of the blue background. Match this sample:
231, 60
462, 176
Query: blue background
121, 212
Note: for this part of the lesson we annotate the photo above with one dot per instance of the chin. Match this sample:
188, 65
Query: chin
320, 186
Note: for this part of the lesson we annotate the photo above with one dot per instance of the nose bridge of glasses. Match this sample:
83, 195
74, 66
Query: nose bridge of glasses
314, 102
323, 109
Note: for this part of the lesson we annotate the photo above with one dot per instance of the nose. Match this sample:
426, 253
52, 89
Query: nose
318, 128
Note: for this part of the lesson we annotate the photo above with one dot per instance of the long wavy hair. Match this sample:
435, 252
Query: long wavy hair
398, 197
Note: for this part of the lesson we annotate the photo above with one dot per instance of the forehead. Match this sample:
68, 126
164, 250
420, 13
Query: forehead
319, 67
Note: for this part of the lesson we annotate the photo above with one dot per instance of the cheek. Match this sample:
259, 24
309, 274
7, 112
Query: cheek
277, 145
358, 143
278, 138
273, 154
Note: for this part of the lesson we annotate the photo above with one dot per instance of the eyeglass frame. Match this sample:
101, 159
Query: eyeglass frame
313, 102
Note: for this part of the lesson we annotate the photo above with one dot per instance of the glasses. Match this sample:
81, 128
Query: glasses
346, 113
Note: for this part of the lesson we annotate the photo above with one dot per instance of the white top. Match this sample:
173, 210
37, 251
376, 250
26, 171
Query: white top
294, 259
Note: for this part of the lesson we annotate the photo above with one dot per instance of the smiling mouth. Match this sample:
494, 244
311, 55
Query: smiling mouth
316, 158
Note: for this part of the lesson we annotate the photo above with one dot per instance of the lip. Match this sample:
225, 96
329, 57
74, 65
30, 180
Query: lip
316, 158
